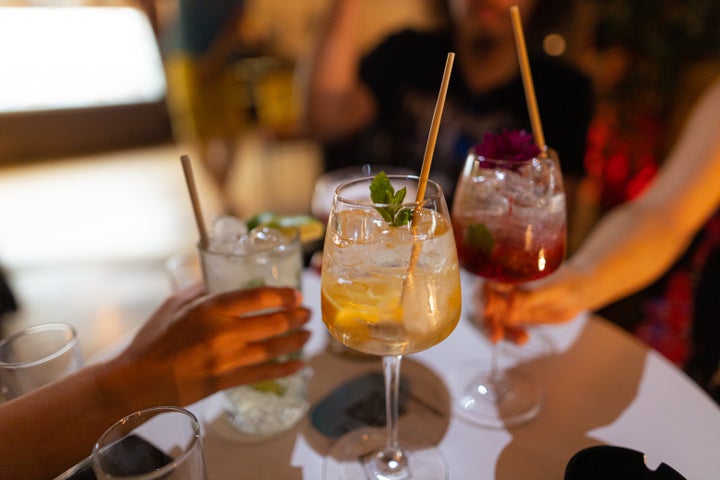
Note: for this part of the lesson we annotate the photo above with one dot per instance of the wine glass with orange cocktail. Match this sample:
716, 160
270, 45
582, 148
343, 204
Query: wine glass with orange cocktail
390, 285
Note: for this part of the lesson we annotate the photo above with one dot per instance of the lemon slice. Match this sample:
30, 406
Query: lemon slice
349, 316
354, 323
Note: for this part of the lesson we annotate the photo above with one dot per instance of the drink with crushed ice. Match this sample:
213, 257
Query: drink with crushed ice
508, 228
237, 259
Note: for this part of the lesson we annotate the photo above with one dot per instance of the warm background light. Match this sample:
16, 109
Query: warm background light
85, 57
554, 45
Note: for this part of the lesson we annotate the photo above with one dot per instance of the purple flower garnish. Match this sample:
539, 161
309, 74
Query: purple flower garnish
514, 145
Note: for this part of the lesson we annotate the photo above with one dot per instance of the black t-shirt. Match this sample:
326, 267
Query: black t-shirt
404, 73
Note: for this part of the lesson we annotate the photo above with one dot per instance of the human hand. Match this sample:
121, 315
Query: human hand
196, 344
506, 314
496, 304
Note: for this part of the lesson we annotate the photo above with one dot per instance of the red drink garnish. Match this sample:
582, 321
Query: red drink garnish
513, 145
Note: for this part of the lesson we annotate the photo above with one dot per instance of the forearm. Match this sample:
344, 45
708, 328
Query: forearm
335, 101
640, 240
215, 59
336, 57
192, 346
629, 249
619, 257
50, 429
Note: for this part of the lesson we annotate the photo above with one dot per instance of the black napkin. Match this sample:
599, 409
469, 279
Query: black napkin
605, 462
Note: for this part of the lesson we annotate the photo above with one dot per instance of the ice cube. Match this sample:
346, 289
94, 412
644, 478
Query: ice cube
519, 189
261, 239
416, 297
226, 228
484, 196
230, 246
228, 235
355, 226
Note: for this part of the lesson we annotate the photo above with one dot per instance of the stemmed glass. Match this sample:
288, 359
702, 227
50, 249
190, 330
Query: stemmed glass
388, 291
325, 184
320, 204
510, 228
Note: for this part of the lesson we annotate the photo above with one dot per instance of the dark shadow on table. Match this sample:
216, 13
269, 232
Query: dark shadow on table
586, 387
427, 413
426, 410
267, 458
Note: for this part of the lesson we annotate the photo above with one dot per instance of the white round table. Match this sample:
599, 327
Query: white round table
602, 386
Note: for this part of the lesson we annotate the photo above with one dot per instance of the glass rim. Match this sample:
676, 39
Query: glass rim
550, 154
292, 233
357, 171
53, 326
150, 412
337, 196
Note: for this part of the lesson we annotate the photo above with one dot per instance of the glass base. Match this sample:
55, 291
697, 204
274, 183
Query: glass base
511, 400
353, 456
540, 344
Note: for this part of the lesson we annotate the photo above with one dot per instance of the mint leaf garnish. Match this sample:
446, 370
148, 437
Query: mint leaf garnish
382, 192
480, 237
269, 386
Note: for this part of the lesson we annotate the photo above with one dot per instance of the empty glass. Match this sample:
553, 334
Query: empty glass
37, 356
159, 442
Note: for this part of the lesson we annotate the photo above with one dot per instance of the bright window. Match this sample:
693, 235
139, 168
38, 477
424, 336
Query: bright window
73, 57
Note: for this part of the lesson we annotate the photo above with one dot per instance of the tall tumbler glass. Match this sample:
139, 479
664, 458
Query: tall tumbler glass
37, 356
237, 259
159, 442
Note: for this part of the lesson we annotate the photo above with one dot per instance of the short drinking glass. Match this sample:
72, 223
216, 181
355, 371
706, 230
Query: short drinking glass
37, 356
156, 443
238, 259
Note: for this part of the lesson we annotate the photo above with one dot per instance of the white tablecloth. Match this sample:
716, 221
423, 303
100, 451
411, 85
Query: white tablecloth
601, 387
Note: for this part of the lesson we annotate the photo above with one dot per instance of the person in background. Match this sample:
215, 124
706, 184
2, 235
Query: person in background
203, 95
194, 345
668, 237
646, 80
378, 108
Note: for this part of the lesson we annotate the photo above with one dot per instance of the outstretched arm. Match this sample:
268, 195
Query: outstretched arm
191, 347
638, 241
336, 103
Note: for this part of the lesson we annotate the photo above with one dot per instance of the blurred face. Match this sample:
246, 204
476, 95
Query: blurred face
487, 21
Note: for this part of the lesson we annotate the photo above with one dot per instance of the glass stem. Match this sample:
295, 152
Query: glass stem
392, 459
497, 374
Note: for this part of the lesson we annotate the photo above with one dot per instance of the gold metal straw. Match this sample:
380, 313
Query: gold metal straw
527, 78
434, 128
427, 160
